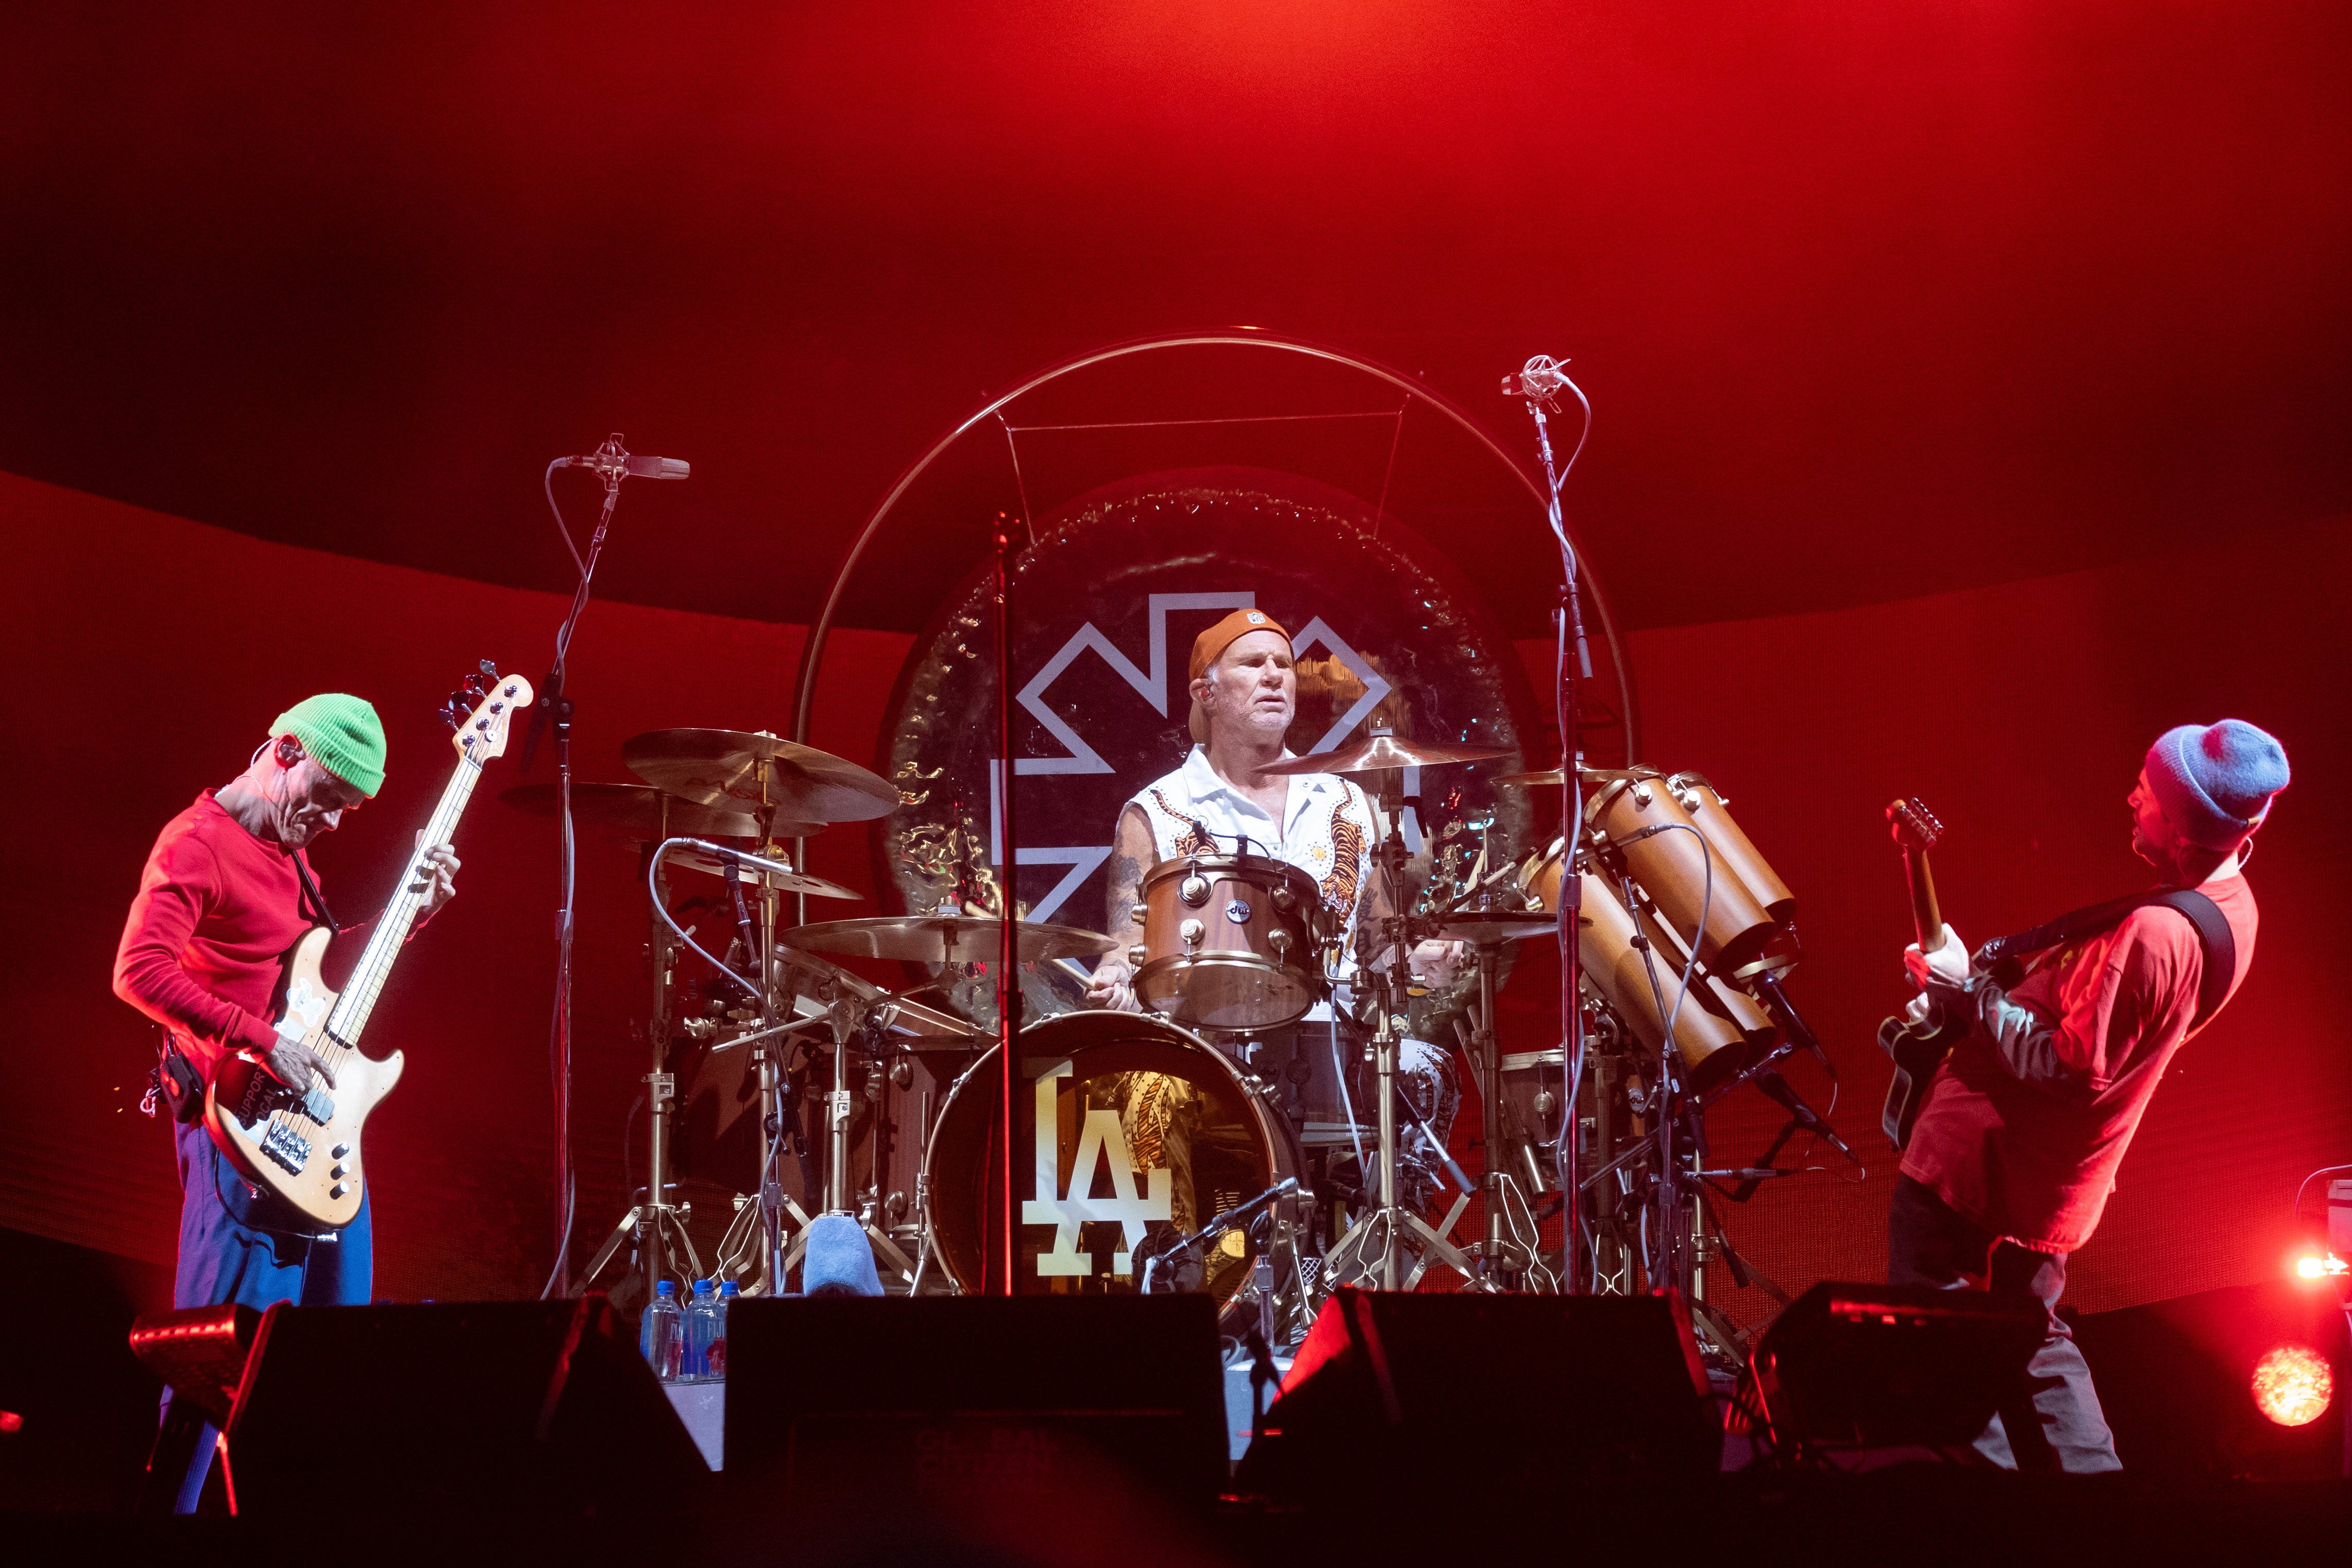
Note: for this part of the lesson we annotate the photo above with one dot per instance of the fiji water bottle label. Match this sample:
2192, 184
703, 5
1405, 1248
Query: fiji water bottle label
715, 1358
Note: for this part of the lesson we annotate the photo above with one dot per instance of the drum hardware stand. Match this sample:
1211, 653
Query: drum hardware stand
1498, 1253
659, 1224
851, 1022
1389, 1224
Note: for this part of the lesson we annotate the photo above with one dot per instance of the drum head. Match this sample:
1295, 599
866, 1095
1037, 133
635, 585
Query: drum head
1147, 1133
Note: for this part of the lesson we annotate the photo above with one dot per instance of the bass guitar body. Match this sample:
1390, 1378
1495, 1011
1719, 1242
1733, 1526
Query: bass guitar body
303, 1146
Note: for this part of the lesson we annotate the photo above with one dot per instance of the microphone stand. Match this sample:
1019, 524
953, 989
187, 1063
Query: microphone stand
555, 707
1569, 620
1008, 979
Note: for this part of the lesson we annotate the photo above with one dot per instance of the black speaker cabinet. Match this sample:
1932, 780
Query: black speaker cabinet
1487, 1392
454, 1409
1847, 1370
944, 1411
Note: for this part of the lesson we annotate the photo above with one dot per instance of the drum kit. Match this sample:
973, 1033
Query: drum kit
1172, 1149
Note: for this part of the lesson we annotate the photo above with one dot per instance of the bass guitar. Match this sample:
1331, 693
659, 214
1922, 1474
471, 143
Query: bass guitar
303, 1144
1918, 1046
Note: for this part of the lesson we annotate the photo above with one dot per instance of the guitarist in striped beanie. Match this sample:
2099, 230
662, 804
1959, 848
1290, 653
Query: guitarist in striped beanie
2072, 1027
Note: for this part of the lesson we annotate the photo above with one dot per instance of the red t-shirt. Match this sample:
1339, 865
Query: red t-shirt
203, 950
2034, 1162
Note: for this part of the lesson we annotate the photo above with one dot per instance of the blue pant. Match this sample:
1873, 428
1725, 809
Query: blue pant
237, 1245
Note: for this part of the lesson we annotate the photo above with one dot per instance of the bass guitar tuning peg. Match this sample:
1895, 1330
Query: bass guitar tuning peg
489, 671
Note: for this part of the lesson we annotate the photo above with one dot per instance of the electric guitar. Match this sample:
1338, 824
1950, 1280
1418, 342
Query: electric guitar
304, 1144
1918, 1048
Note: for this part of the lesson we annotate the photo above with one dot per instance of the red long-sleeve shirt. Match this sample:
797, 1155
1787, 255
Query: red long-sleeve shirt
2034, 1162
202, 950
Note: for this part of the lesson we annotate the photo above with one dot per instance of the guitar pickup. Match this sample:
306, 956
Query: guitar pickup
317, 1106
287, 1147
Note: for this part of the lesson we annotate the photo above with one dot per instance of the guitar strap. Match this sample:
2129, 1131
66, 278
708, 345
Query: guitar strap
2003, 957
317, 900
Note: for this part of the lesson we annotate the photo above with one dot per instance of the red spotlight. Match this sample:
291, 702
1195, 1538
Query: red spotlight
2292, 1384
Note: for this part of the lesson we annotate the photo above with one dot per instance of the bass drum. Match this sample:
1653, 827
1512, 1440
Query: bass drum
1128, 1132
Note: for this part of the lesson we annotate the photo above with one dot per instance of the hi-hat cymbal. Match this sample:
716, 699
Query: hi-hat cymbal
1553, 776
634, 812
1485, 927
1384, 751
942, 940
776, 874
744, 771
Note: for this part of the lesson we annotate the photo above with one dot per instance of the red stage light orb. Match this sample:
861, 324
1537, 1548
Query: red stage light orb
2293, 1385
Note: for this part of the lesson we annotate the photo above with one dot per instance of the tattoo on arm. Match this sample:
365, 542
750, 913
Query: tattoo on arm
1126, 876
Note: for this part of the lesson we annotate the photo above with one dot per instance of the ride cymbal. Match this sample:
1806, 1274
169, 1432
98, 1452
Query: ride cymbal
745, 770
634, 812
1379, 752
942, 940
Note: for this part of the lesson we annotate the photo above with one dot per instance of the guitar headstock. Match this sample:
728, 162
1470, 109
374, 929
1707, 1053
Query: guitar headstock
1915, 826
494, 700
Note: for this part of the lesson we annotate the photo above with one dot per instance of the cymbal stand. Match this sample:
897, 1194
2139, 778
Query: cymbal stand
659, 1225
1503, 1261
1372, 1243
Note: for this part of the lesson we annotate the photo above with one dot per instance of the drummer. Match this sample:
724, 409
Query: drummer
1245, 689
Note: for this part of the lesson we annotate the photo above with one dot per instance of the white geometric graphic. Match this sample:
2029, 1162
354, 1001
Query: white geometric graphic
1101, 1139
1151, 683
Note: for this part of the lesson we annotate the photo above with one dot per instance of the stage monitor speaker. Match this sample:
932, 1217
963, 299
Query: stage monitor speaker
454, 1409
948, 1412
1852, 1375
1488, 1393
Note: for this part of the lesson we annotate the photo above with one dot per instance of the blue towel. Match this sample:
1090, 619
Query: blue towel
838, 1261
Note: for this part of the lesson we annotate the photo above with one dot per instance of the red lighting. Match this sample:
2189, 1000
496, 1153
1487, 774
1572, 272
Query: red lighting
2292, 1385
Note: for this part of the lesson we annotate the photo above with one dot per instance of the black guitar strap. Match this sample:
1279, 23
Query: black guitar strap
2003, 957
316, 899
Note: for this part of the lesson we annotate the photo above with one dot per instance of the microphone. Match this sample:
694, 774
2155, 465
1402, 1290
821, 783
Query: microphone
1540, 379
743, 860
614, 462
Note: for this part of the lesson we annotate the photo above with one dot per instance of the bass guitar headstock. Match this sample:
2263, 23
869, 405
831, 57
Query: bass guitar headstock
493, 700
1915, 826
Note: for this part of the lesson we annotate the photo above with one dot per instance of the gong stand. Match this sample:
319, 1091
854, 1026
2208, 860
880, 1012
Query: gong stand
1385, 1227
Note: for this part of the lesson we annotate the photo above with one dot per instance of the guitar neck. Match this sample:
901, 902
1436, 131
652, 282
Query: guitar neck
399, 917
1925, 919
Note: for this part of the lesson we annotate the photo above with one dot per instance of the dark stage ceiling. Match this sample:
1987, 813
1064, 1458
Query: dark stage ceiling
1872, 299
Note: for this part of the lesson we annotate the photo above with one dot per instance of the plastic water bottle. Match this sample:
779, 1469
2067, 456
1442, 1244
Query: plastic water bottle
716, 1354
662, 1335
702, 1326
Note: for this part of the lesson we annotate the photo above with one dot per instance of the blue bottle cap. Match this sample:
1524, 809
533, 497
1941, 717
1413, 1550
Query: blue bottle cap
730, 1287
702, 1287
664, 1287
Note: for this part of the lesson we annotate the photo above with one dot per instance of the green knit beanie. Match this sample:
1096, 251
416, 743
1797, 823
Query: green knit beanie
344, 733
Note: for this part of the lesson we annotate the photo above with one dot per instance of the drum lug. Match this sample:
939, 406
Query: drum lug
1193, 890
1137, 954
1140, 914
1284, 899
1190, 933
1279, 940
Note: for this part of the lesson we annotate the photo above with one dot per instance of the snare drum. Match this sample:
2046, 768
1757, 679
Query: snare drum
1717, 1029
1229, 942
1126, 1127
1742, 938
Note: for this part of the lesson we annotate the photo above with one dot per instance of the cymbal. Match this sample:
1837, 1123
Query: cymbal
1384, 751
1587, 774
942, 940
1482, 928
810, 975
781, 877
634, 812
724, 768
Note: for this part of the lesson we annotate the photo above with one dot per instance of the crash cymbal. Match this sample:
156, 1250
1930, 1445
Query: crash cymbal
1553, 777
1383, 751
743, 772
634, 812
1483, 927
812, 979
777, 874
941, 939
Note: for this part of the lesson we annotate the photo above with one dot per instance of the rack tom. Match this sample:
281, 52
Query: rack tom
1229, 942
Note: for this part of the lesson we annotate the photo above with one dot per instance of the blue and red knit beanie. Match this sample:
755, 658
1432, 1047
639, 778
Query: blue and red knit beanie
2215, 782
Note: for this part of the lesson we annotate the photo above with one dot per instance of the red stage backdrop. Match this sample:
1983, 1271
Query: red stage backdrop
148, 655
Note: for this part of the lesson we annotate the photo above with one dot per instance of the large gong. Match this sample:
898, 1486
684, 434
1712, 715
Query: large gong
1107, 596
